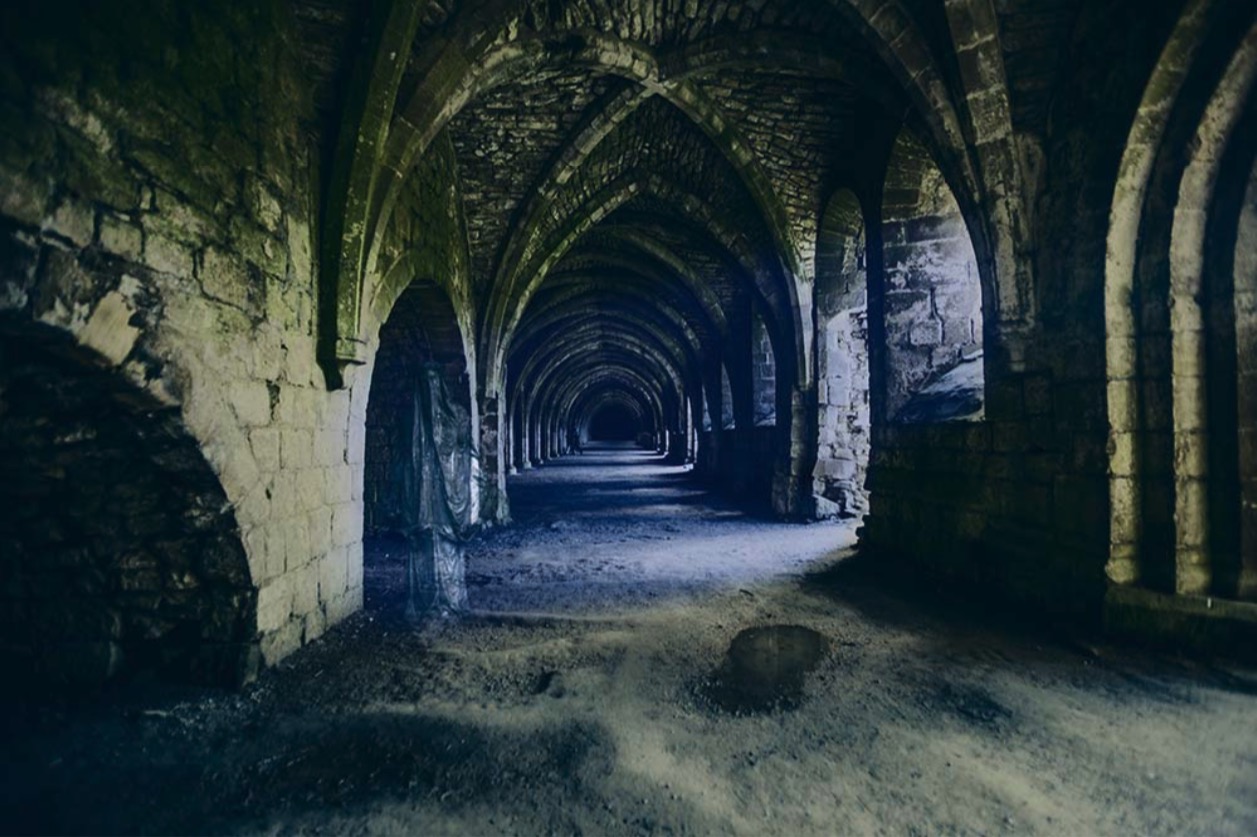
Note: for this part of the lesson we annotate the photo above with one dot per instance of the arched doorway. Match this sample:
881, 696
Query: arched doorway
419, 464
119, 550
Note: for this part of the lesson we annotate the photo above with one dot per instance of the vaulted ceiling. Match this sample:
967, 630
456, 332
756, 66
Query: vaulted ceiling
648, 173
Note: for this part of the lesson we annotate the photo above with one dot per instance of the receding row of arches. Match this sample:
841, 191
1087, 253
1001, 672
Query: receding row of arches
790, 249
716, 394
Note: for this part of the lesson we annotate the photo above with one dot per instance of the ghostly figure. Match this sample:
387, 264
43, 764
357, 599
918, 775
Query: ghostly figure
436, 493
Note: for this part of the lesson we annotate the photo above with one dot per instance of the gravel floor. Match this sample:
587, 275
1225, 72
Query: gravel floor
580, 698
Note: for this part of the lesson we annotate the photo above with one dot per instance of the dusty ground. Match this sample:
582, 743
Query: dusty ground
578, 700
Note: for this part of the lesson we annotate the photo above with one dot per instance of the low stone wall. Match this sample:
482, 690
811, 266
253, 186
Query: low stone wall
1018, 504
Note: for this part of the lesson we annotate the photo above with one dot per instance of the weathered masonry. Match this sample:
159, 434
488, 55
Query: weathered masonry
983, 272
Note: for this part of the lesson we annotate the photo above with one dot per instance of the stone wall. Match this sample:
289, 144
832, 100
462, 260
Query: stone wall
158, 205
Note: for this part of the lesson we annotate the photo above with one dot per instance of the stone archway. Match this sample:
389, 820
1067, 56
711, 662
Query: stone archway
932, 319
421, 335
119, 550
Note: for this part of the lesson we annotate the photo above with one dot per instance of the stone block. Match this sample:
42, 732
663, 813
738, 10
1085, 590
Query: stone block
296, 535
172, 217
338, 485
268, 353
121, 237
305, 588
274, 604
1081, 506
251, 401
281, 641
284, 500
239, 472
319, 529
264, 441
333, 576
296, 448
276, 551
346, 524
24, 198
329, 445
301, 367
339, 608
310, 488
297, 407
224, 278
1009, 436
72, 220
263, 205
926, 333
355, 452
166, 255
108, 330
299, 244
255, 543
314, 625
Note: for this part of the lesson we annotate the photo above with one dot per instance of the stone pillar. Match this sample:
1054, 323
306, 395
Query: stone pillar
493, 502
508, 441
525, 440
792, 474
676, 448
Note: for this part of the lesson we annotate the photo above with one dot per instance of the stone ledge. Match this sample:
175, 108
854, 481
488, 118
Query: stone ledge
1196, 624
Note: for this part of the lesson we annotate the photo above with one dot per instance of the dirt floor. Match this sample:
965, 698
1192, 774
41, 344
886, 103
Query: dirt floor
592, 693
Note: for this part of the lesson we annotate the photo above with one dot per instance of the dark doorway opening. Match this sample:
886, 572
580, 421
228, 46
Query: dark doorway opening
119, 550
613, 423
418, 423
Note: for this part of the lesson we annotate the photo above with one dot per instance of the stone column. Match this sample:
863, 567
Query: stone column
525, 441
493, 503
792, 476
508, 441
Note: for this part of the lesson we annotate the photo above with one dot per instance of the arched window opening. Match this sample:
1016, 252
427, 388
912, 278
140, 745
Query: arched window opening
842, 353
727, 421
932, 295
1230, 289
763, 374
1244, 312
419, 497
1181, 330
118, 548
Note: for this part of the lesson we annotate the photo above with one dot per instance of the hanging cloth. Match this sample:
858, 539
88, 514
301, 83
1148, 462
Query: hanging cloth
438, 499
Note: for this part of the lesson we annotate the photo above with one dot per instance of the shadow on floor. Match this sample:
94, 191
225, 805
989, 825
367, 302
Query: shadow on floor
964, 624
